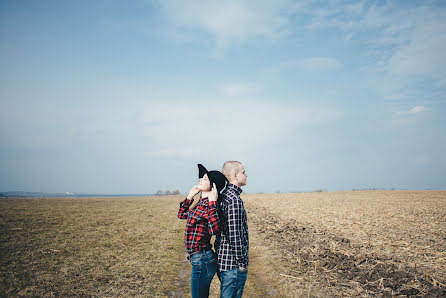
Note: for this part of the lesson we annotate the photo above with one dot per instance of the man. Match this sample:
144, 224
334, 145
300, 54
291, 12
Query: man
233, 243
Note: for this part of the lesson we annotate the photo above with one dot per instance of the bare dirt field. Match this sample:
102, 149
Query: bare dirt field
329, 244
357, 243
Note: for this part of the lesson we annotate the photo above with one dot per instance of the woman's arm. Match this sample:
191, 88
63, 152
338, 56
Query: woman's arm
184, 205
212, 214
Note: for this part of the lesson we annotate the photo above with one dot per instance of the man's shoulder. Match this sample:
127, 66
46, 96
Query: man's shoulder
233, 200
230, 194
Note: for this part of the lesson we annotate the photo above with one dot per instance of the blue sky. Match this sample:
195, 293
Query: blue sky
128, 96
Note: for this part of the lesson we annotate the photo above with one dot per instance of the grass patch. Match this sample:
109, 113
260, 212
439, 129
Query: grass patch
89, 246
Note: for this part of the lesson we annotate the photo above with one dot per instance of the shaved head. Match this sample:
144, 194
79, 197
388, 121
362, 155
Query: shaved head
234, 172
230, 167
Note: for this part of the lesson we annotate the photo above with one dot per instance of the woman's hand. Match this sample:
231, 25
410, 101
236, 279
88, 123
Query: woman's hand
193, 192
213, 194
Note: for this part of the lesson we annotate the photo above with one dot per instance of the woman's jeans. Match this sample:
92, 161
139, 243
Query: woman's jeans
204, 266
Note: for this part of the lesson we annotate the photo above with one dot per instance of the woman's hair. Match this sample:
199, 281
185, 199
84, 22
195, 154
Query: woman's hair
219, 199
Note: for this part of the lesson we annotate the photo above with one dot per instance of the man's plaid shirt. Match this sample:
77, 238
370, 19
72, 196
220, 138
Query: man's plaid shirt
232, 244
202, 222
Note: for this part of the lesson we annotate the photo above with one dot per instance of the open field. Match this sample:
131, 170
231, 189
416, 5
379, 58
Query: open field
360, 243
355, 243
90, 246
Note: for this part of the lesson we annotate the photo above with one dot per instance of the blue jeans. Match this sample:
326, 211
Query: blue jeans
232, 283
204, 266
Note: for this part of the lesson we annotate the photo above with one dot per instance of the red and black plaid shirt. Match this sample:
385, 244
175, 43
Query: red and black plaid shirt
202, 223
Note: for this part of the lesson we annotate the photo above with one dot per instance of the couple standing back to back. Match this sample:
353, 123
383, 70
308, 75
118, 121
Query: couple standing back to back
220, 211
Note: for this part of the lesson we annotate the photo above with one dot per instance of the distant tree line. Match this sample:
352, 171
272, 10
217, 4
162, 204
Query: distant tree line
167, 192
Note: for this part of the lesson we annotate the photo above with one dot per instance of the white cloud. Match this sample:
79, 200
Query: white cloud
195, 131
423, 54
239, 89
414, 110
407, 43
231, 21
417, 109
408, 116
409, 47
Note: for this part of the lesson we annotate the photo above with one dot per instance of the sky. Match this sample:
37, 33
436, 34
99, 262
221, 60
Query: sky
117, 97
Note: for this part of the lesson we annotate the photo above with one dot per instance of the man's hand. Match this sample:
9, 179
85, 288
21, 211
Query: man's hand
193, 192
213, 195
243, 269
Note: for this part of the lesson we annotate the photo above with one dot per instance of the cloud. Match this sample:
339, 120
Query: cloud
416, 109
423, 53
409, 48
239, 89
233, 21
403, 44
228, 128
406, 117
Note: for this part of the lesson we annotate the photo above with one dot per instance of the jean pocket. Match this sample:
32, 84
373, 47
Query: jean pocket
195, 260
211, 267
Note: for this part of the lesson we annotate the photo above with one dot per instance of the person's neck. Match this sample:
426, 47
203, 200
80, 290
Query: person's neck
235, 183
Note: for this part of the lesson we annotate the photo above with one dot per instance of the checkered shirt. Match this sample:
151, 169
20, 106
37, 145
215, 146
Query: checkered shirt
232, 243
202, 222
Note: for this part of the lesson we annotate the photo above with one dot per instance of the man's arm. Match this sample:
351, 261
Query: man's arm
235, 230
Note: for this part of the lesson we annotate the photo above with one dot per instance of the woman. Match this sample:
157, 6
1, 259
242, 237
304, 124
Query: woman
202, 223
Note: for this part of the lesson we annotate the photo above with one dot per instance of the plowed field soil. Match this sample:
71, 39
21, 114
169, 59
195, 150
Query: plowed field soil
360, 243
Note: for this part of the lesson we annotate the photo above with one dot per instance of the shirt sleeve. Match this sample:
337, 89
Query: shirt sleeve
184, 207
212, 218
235, 226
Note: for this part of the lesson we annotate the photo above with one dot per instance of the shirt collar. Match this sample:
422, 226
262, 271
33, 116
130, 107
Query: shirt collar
234, 187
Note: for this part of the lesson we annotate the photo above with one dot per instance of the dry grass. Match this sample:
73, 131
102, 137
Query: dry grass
90, 246
362, 243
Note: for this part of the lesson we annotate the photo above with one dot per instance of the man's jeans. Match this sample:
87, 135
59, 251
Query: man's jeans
232, 283
204, 266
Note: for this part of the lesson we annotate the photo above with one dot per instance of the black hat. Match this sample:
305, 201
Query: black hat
214, 177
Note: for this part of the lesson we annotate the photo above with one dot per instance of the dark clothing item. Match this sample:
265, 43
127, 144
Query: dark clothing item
202, 223
204, 266
232, 243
